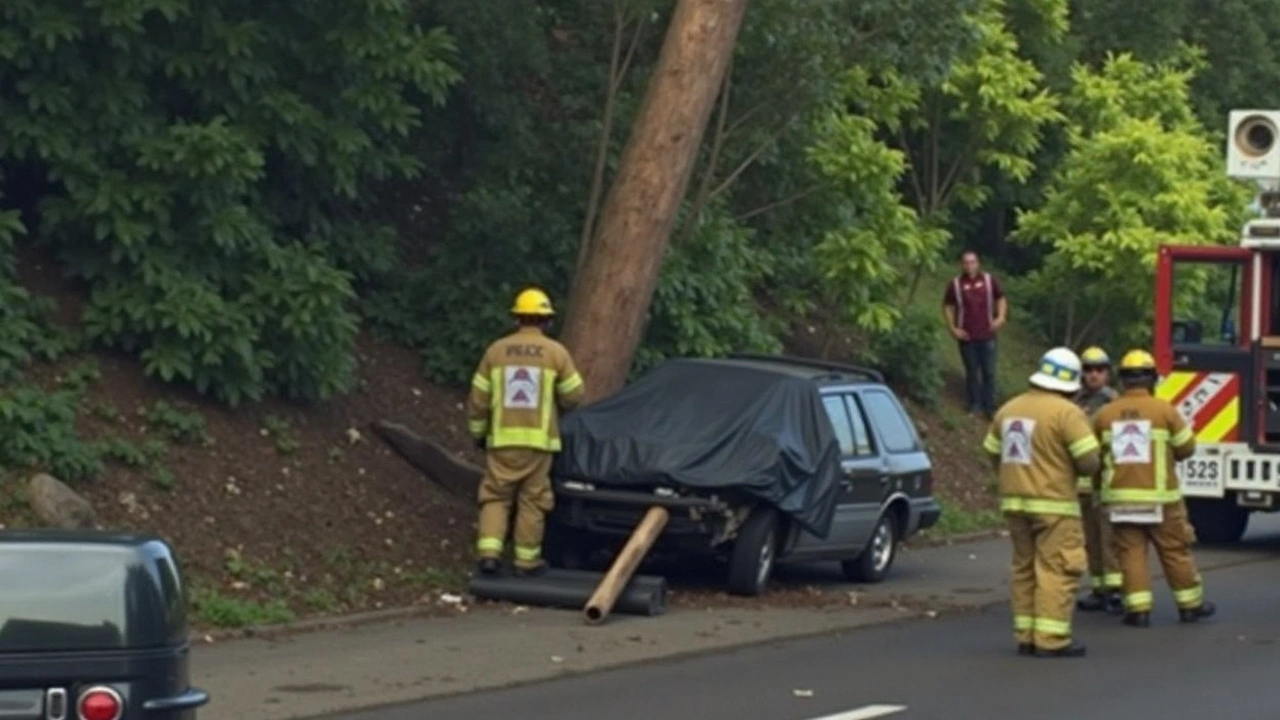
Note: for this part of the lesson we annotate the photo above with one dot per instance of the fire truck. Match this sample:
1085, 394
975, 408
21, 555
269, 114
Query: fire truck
1217, 347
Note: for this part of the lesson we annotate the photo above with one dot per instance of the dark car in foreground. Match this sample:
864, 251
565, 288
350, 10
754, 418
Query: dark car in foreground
759, 459
93, 626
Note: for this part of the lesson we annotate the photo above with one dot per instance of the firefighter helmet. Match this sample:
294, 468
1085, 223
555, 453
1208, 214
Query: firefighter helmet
1059, 371
1095, 356
532, 302
1138, 361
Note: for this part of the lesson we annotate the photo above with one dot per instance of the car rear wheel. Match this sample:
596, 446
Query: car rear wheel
566, 547
877, 557
754, 553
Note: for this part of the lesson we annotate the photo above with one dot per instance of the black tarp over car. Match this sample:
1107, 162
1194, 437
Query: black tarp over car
712, 425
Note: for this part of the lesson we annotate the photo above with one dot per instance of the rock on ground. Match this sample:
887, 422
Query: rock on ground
59, 506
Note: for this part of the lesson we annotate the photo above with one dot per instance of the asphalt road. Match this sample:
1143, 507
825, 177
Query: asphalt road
953, 668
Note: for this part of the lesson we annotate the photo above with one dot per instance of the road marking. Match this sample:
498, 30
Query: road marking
865, 713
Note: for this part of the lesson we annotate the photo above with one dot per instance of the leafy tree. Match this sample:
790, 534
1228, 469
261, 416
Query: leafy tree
202, 167
1141, 171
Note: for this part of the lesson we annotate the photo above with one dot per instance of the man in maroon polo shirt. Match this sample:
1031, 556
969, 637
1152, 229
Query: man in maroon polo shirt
976, 309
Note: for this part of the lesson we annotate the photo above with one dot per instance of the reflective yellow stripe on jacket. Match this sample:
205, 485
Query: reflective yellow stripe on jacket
1161, 493
531, 437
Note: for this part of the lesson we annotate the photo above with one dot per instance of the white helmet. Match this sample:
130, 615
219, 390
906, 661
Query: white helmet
1059, 371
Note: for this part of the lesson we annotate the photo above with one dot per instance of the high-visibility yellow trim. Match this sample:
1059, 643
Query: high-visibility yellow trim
1139, 601
1173, 385
1113, 580
571, 383
489, 546
1189, 598
538, 438
1084, 485
527, 553
1040, 506
1184, 435
477, 428
1083, 446
1217, 429
481, 383
1023, 622
991, 444
1053, 627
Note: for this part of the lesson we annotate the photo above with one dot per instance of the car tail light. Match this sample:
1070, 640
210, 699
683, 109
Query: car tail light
100, 703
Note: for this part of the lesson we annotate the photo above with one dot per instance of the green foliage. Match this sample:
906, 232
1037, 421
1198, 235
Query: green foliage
1141, 171
175, 424
38, 430
908, 355
223, 611
703, 305
863, 260
206, 162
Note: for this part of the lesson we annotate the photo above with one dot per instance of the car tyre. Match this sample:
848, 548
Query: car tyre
754, 553
1217, 522
873, 565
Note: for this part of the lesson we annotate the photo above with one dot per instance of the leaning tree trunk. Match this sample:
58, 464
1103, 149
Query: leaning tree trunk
612, 293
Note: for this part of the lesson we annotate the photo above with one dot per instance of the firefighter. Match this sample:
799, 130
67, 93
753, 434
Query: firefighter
515, 391
1142, 438
1104, 573
1040, 441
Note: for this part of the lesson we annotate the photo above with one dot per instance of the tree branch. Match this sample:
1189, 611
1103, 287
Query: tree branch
703, 195
755, 155
795, 197
617, 71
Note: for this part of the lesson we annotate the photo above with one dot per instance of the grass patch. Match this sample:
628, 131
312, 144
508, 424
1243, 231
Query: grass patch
214, 608
958, 521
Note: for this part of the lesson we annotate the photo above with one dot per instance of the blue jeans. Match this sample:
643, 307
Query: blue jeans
979, 358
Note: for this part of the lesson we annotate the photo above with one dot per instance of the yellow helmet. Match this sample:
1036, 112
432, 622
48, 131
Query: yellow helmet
532, 302
1138, 361
1095, 356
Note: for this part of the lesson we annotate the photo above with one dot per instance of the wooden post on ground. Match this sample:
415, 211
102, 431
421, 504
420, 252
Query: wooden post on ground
602, 600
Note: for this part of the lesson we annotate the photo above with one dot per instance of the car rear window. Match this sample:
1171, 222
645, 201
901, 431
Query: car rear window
893, 425
52, 598
840, 421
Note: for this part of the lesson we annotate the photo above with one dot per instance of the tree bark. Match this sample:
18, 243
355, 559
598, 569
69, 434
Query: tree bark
612, 293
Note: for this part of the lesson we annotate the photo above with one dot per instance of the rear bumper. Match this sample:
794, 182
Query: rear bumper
925, 512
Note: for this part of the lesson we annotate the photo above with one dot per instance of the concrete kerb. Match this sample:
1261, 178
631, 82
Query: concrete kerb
335, 622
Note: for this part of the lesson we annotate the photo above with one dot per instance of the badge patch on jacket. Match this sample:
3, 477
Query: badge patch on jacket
1015, 440
521, 387
1131, 442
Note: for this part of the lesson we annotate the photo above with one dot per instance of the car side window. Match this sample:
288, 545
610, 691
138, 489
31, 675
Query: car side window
862, 444
840, 422
895, 428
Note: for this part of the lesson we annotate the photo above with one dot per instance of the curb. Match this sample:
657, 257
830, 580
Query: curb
338, 622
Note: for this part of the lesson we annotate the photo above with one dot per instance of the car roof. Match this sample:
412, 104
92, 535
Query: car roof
822, 372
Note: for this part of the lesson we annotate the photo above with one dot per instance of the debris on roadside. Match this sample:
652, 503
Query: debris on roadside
802, 693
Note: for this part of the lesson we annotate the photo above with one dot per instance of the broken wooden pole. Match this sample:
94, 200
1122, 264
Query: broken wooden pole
606, 595
458, 478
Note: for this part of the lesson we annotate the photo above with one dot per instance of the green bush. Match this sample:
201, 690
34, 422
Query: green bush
908, 356
210, 167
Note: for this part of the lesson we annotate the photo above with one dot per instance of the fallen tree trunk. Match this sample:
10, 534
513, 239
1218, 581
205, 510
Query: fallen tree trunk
458, 478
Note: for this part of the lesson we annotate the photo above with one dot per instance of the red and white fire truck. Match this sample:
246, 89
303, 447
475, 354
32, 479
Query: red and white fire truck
1219, 359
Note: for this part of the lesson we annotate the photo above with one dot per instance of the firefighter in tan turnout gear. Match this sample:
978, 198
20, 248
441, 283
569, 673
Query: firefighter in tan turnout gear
1142, 438
1041, 442
515, 391
1104, 571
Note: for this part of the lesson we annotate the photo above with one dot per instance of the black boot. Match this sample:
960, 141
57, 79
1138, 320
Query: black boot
489, 566
1026, 649
1190, 615
1137, 619
1075, 649
1115, 603
532, 572
1093, 602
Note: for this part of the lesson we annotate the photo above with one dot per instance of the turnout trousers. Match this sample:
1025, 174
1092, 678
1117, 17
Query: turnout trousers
1104, 568
1172, 538
521, 477
1048, 561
